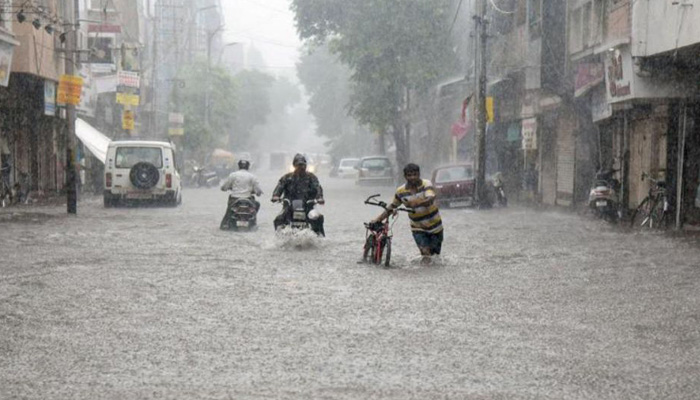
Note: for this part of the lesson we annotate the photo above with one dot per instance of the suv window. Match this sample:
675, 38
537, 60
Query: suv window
126, 157
376, 163
348, 163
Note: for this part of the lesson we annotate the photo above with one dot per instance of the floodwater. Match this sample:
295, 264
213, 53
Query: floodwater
155, 303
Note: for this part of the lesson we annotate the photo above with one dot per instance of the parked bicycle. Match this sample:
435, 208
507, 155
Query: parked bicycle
378, 235
652, 212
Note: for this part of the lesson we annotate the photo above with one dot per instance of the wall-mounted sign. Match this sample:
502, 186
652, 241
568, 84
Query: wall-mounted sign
128, 120
50, 98
128, 99
6, 51
529, 132
129, 79
70, 87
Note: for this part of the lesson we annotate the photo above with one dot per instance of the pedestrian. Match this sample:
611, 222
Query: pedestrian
426, 224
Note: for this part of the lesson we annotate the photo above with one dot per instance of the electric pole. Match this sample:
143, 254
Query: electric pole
71, 173
480, 65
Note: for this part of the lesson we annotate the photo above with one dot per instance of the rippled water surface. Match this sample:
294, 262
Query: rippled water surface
159, 303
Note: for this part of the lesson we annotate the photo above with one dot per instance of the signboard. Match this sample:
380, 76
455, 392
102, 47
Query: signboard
128, 120
6, 51
100, 50
50, 98
176, 122
129, 79
176, 118
176, 131
588, 76
489, 109
70, 88
622, 83
128, 99
529, 132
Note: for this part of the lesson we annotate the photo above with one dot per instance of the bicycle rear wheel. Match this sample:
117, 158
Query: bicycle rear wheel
641, 217
378, 251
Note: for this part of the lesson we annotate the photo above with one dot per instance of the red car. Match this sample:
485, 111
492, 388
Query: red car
454, 185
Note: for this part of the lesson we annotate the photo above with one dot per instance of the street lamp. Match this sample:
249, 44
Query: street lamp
223, 48
210, 36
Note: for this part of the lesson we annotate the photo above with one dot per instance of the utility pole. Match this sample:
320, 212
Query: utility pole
480, 65
207, 111
71, 173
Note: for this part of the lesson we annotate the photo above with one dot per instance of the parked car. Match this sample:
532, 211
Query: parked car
454, 185
141, 171
346, 168
375, 170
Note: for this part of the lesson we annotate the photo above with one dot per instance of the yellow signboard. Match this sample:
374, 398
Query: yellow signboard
176, 131
128, 99
128, 120
489, 109
69, 89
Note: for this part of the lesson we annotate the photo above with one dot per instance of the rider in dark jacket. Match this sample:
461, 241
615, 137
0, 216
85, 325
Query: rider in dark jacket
299, 185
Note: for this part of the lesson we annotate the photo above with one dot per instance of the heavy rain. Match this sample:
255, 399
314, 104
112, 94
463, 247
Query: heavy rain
349, 199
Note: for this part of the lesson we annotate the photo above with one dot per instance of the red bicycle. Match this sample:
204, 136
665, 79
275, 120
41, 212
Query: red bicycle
378, 236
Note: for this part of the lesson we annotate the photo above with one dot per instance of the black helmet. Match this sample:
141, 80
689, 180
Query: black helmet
299, 159
243, 164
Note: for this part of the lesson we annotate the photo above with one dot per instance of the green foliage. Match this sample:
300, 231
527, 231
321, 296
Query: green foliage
199, 139
253, 108
391, 46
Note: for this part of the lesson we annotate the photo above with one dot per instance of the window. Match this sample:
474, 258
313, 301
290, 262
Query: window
348, 163
454, 174
376, 163
127, 157
586, 25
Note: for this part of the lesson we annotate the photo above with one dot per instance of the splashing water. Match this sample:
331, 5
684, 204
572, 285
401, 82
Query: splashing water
296, 239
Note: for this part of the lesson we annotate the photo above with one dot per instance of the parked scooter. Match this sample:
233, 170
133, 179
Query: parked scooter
603, 197
203, 177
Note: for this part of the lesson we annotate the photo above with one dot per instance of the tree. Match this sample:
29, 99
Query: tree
200, 139
394, 47
327, 81
254, 106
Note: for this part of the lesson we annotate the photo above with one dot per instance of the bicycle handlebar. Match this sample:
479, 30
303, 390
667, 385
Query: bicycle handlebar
384, 205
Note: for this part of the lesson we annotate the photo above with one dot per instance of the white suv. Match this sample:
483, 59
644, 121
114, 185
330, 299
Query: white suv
141, 170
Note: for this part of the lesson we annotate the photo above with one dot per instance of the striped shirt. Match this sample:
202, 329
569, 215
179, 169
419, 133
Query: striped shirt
426, 217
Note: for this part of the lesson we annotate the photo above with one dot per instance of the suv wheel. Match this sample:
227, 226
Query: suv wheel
144, 175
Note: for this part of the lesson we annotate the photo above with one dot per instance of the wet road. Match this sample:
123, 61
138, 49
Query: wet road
153, 303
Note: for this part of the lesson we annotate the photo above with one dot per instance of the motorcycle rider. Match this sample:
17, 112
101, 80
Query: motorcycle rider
299, 185
242, 184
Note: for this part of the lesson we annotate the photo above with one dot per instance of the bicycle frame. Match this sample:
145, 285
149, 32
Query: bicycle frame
378, 235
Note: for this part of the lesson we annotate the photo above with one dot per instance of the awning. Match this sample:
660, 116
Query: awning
93, 139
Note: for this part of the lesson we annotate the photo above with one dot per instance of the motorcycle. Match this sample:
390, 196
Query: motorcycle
243, 214
202, 177
298, 215
603, 198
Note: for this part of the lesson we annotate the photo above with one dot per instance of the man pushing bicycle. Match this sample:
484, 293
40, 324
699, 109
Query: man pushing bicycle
426, 224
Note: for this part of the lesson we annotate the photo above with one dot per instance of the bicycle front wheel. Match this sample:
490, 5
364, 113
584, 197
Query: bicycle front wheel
658, 215
387, 252
368, 250
378, 251
641, 217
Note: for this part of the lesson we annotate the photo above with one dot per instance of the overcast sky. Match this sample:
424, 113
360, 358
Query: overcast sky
266, 24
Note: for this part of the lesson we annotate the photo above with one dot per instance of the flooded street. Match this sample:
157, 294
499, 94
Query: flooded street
141, 303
